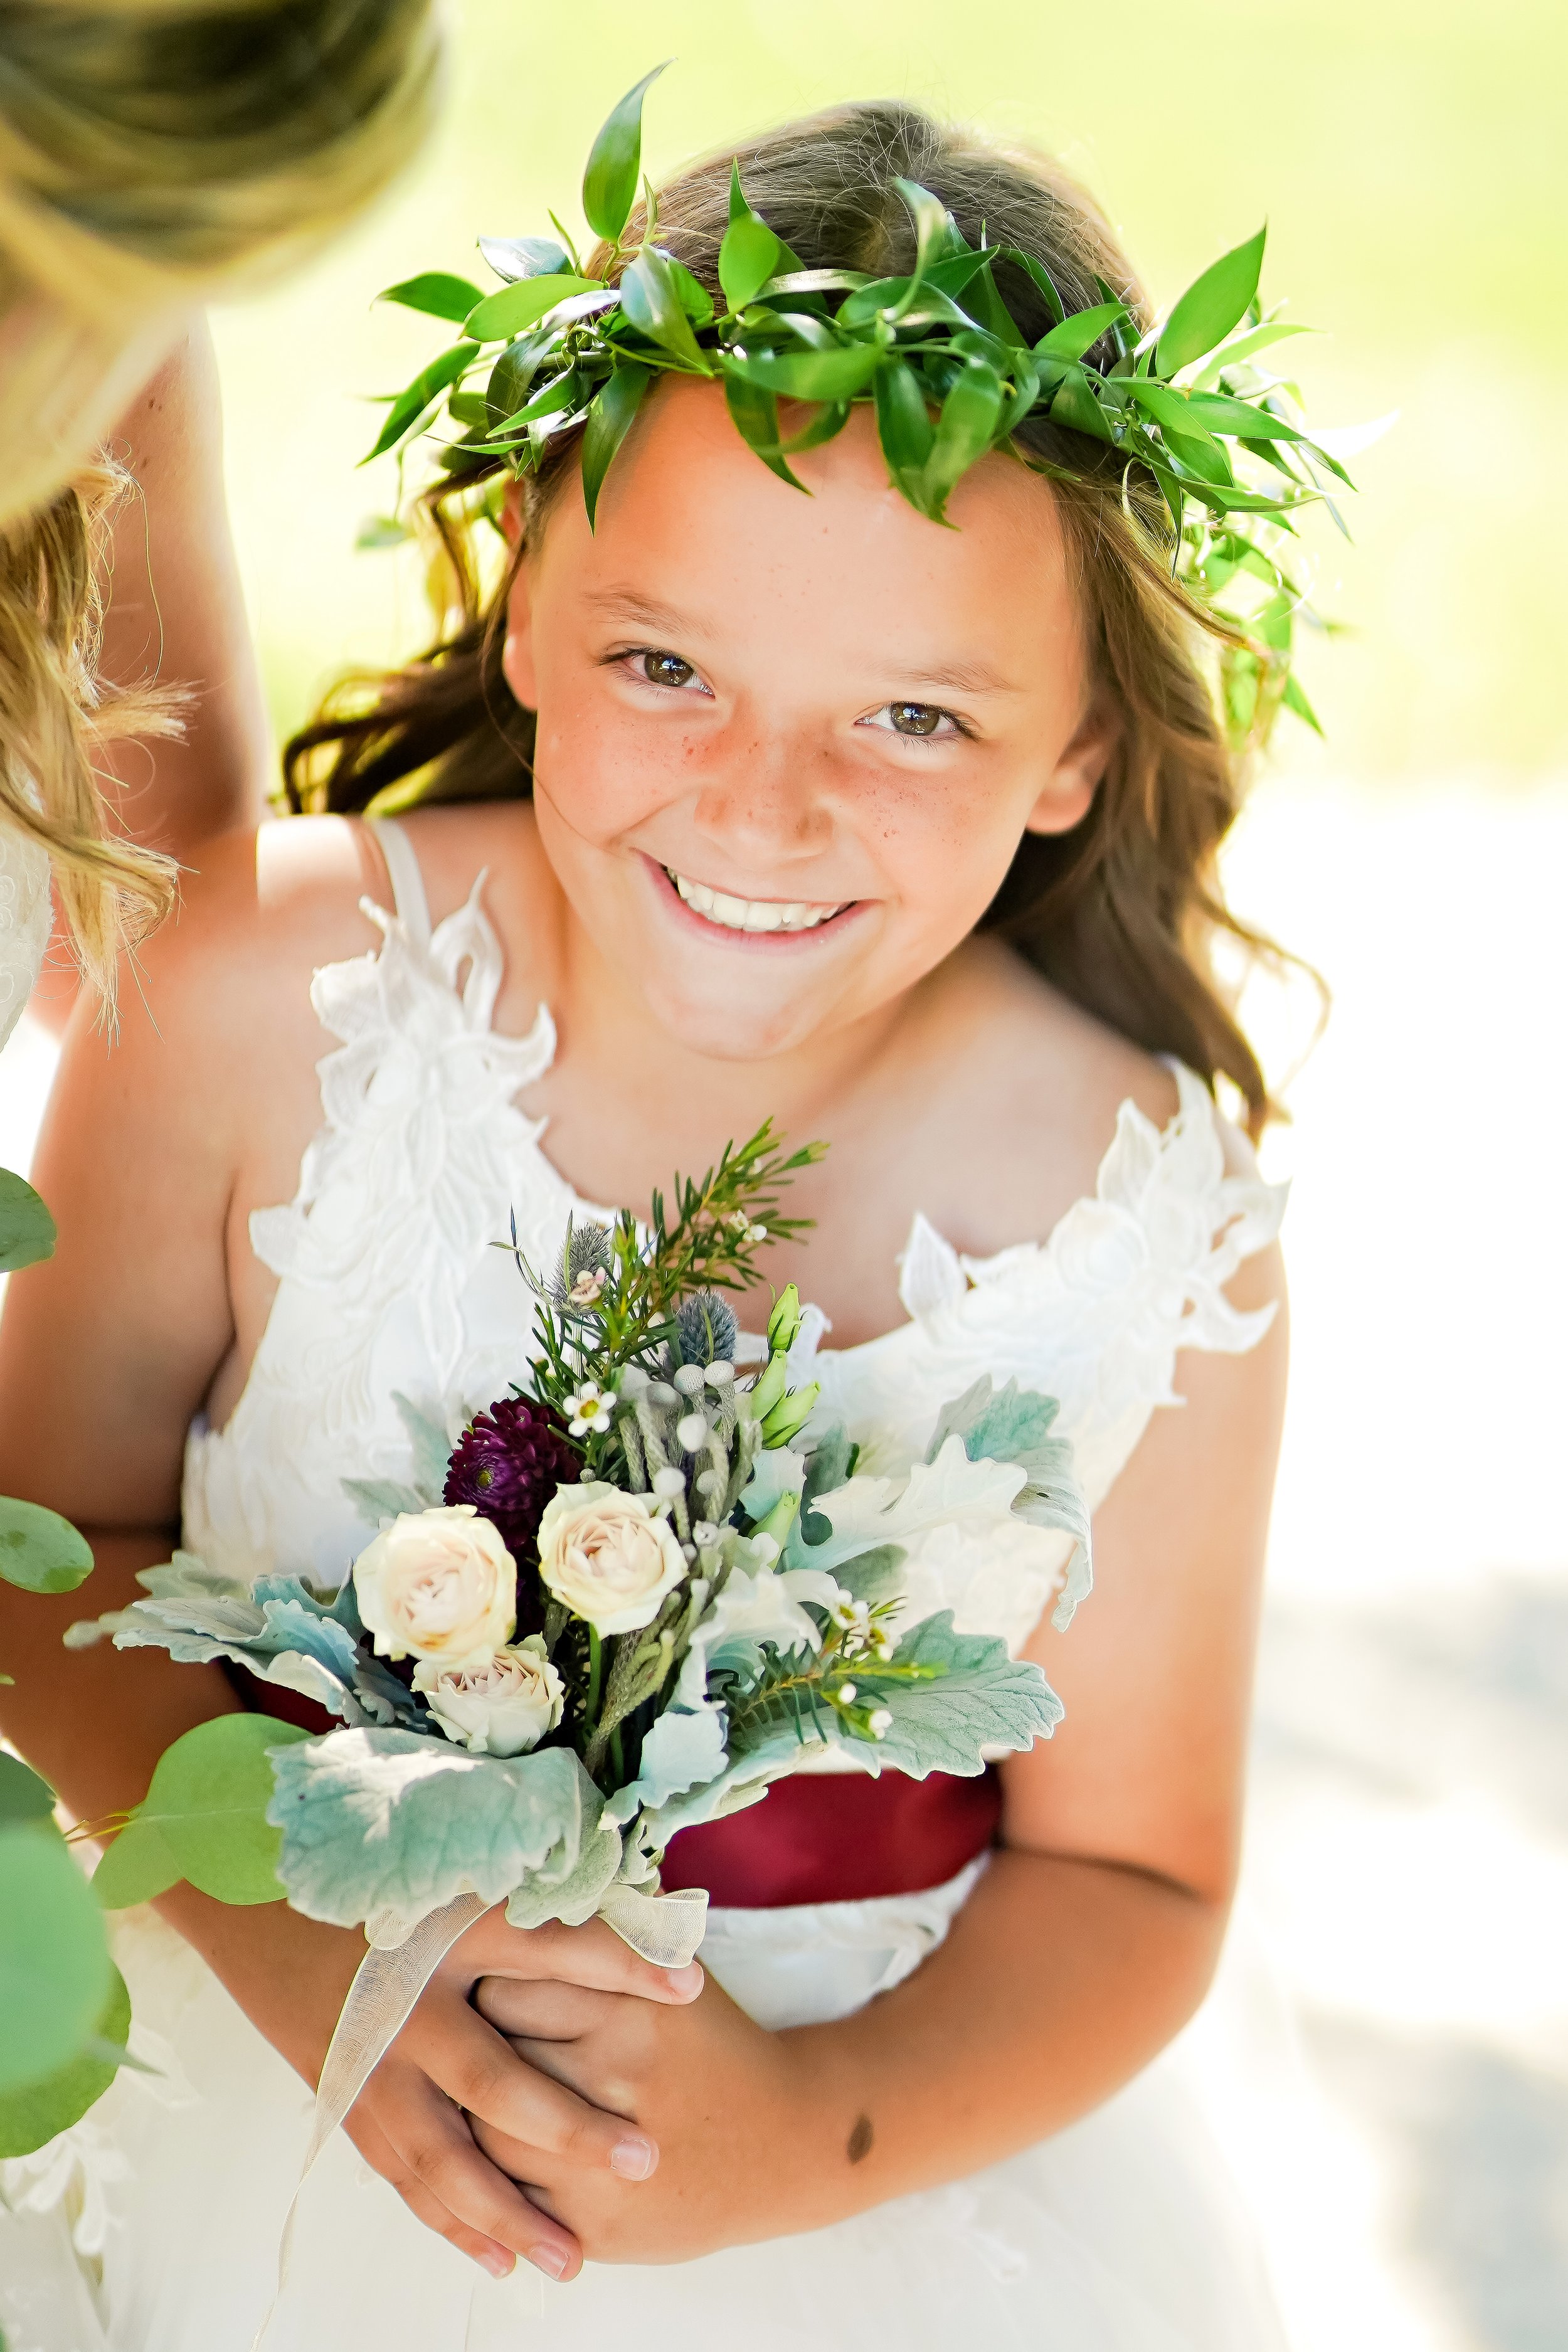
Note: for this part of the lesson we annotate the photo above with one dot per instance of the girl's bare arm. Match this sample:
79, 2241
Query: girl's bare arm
106, 1353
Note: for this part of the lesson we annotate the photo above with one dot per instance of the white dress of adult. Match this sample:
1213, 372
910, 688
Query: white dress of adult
153, 2226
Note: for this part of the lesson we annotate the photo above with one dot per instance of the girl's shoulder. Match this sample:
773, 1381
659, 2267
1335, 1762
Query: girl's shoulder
1023, 1092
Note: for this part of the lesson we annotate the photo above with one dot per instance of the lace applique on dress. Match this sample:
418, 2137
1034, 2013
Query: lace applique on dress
389, 1284
388, 1280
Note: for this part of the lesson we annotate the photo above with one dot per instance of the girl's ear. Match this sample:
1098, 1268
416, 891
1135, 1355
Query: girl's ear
1067, 797
516, 650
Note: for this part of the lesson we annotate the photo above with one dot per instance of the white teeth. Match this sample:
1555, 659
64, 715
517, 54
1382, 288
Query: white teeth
752, 913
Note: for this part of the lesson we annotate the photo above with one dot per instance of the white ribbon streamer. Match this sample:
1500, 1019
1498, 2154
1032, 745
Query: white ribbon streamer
665, 1929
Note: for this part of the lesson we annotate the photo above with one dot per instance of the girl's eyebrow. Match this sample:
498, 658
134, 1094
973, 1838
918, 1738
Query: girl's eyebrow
626, 604
963, 677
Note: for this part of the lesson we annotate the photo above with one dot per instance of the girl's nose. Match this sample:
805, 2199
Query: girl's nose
766, 793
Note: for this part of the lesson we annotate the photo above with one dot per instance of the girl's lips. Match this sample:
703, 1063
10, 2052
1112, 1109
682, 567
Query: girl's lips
775, 942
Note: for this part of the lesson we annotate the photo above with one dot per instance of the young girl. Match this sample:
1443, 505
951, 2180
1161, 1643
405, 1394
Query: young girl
744, 804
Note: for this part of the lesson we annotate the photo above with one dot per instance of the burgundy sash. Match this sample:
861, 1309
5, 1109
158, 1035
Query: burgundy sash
817, 1837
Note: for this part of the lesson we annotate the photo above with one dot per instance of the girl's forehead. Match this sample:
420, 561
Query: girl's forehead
690, 513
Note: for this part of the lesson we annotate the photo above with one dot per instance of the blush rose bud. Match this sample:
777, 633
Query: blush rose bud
501, 1708
605, 1555
439, 1584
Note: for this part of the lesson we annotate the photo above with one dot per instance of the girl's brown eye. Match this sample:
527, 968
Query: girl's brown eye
666, 669
915, 718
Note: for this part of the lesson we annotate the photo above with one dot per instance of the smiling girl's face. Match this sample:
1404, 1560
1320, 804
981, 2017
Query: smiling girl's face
787, 746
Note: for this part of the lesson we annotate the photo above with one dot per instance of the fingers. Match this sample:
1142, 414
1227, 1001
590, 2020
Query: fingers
480, 2071
592, 1955
420, 2143
437, 2160
382, 2157
546, 2010
539, 2172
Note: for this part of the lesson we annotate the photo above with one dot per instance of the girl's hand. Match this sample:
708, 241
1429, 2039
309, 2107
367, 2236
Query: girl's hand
449, 2078
708, 2087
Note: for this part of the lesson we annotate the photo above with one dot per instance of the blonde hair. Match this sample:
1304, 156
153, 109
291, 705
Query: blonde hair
149, 151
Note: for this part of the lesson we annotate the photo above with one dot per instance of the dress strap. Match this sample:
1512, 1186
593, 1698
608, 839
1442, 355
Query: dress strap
408, 900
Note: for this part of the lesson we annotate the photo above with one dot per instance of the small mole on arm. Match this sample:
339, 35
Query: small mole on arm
861, 2139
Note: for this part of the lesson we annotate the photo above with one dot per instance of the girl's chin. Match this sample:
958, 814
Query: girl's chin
732, 1029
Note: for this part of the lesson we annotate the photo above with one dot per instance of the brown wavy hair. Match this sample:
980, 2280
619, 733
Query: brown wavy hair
1122, 913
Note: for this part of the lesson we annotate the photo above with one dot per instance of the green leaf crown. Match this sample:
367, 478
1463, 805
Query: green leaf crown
938, 356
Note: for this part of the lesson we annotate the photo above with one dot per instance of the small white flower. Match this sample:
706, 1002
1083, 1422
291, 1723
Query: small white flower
845, 1694
882, 1723
756, 1232
692, 1431
704, 1532
669, 1484
592, 1409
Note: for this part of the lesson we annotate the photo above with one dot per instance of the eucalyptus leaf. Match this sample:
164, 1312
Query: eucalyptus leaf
27, 1228
209, 1796
1211, 306
38, 2111
24, 1797
436, 292
40, 1551
55, 1973
136, 1867
615, 163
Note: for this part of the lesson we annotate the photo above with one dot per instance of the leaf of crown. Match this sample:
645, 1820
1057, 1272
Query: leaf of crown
938, 356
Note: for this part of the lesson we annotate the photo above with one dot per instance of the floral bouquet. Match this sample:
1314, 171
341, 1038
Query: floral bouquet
640, 1589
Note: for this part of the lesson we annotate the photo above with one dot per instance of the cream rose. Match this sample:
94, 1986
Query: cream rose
439, 1584
501, 1708
606, 1556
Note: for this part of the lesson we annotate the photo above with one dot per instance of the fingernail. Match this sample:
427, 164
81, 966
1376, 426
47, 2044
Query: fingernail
633, 2158
689, 1980
551, 2260
499, 2264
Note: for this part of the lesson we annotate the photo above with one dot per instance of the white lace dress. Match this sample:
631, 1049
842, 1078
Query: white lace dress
153, 2226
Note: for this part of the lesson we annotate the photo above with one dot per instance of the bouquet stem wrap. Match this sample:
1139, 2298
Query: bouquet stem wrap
665, 1929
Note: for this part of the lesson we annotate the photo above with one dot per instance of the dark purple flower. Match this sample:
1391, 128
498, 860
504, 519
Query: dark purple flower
508, 1464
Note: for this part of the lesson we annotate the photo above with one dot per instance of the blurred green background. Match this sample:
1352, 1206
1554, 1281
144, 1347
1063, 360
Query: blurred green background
1408, 154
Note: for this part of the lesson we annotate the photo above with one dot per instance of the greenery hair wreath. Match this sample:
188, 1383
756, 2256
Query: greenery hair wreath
938, 356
